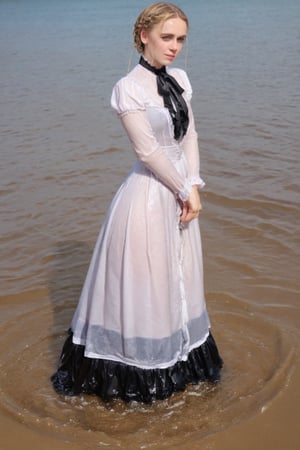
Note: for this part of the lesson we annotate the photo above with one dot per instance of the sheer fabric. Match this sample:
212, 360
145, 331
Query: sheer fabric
143, 302
141, 329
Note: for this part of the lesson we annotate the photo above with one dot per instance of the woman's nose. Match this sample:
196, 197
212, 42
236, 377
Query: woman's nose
174, 45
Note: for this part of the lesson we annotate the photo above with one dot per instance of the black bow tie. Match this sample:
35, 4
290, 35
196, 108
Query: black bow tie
171, 92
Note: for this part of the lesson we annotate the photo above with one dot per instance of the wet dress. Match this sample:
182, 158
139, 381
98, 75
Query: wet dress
141, 329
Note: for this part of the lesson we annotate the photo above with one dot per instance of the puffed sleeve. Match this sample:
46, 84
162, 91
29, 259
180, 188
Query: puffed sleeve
128, 96
129, 101
190, 140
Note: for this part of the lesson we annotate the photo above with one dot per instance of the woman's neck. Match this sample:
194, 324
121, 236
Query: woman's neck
145, 63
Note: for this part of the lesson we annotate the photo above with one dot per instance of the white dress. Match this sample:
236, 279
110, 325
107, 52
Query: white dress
142, 304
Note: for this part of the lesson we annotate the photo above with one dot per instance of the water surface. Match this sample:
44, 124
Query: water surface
64, 154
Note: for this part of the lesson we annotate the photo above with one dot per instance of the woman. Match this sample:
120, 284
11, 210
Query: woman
141, 329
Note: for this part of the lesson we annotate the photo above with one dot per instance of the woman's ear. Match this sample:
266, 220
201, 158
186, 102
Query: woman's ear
144, 37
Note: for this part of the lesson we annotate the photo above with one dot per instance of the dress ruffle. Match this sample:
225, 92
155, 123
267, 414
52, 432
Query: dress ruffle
110, 380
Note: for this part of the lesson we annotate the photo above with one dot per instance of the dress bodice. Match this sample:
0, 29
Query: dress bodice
138, 91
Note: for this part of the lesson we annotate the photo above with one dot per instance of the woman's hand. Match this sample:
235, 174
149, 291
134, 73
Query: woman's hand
192, 206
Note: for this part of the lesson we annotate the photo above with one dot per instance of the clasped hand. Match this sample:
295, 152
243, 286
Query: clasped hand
191, 207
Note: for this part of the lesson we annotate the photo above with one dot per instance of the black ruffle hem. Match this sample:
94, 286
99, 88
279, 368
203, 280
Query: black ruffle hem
110, 380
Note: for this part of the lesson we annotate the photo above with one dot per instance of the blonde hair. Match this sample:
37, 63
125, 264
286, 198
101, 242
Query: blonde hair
153, 15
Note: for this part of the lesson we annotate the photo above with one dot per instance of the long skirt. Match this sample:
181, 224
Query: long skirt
141, 329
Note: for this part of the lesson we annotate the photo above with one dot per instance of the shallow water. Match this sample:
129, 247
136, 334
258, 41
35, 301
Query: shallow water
63, 155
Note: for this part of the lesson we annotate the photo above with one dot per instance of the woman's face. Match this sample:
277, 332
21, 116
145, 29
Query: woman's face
164, 42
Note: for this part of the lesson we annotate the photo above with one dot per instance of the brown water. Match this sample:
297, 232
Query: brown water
63, 155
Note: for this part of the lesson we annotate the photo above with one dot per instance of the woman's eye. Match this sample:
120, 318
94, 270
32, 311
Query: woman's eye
181, 40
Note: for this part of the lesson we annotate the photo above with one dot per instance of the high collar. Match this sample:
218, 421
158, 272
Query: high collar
171, 91
143, 62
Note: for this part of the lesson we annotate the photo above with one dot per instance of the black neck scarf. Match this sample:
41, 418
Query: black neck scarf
171, 92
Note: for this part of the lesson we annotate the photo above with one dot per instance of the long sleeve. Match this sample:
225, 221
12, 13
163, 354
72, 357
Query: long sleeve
191, 150
190, 140
130, 102
150, 153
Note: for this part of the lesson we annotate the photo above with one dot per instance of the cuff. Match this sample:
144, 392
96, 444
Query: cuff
187, 189
197, 180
